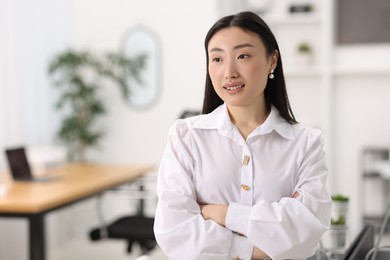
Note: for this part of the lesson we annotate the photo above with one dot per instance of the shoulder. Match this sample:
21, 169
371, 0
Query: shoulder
183, 127
306, 134
303, 130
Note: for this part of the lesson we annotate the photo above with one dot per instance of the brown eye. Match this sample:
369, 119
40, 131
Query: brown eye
243, 56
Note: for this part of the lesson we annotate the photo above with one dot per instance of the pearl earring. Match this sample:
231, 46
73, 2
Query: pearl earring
271, 75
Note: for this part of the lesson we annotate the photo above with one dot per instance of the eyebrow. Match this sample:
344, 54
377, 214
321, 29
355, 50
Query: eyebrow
240, 46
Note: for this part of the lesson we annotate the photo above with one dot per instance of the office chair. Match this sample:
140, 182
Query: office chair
188, 113
137, 228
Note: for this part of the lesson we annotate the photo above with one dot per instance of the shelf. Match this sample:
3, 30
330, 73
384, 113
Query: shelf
376, 220
376, 175
371, 172
381, 150
294, 19
301, 71
356, 71
377, 217
372, 175
336, 71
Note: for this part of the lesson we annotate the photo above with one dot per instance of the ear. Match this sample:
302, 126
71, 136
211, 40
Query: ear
273, 59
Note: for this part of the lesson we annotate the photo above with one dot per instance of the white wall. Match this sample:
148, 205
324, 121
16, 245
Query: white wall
139, 136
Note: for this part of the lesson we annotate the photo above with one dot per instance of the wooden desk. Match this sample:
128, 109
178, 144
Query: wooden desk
32, 200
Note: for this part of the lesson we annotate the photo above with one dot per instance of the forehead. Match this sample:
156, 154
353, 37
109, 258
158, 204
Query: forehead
232, 36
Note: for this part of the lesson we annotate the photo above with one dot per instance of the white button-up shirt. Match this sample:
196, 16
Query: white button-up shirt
207, 161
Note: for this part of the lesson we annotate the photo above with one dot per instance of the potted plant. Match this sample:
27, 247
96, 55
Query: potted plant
304, 53
339, 209
79, 75
338, 228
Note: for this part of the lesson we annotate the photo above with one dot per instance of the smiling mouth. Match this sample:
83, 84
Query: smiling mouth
235, 87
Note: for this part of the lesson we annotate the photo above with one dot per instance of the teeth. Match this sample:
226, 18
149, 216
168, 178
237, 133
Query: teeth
234, 87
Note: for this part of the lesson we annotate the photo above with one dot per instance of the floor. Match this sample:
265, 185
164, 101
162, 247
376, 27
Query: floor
81, 249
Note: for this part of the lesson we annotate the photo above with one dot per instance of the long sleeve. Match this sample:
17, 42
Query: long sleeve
290, 228
207, 161
180, 229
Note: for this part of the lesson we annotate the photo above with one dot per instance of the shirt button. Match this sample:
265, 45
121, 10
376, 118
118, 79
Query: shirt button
245, 187
246, 160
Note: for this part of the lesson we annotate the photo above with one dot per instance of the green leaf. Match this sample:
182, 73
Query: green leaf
78, 75
339, 197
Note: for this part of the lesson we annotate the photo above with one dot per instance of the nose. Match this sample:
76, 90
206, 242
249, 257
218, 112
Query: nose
230, 70
231, 75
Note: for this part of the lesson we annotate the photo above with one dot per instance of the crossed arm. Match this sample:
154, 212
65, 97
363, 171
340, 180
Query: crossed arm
218, 213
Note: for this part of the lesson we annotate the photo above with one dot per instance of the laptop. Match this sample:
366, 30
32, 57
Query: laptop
20, 167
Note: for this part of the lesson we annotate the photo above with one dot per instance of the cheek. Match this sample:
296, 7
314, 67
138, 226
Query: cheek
257, 78
259, 69
214, 75
215, 80
259, 73
213, 72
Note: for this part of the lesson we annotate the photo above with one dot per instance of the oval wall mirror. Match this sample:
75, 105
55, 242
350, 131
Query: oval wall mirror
143, 41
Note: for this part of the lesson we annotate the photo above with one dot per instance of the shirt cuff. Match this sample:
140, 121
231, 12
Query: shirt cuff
240, 247
237, 218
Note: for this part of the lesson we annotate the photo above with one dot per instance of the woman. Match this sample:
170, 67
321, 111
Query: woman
244, 179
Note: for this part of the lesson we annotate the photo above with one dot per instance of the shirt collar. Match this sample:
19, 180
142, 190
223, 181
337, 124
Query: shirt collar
275, 122
219, 119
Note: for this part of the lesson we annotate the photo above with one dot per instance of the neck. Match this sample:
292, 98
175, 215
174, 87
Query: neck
247, 118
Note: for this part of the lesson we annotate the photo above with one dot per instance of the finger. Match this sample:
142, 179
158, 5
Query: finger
295, 195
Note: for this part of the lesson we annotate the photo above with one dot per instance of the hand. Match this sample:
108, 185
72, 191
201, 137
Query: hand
216, 213
258, 254
297, 196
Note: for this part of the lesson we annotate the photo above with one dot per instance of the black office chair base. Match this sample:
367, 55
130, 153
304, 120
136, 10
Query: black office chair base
134, 229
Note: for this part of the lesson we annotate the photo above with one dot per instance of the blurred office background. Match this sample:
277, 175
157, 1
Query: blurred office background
343, 88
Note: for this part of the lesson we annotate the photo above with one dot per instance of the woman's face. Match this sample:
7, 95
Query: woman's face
239, 66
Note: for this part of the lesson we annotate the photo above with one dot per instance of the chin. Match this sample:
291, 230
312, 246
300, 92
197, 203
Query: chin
235, 104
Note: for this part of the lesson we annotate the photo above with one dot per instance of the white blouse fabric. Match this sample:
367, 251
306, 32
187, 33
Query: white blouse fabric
207, 161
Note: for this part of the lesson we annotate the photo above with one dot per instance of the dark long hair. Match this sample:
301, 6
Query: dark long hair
275, 92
